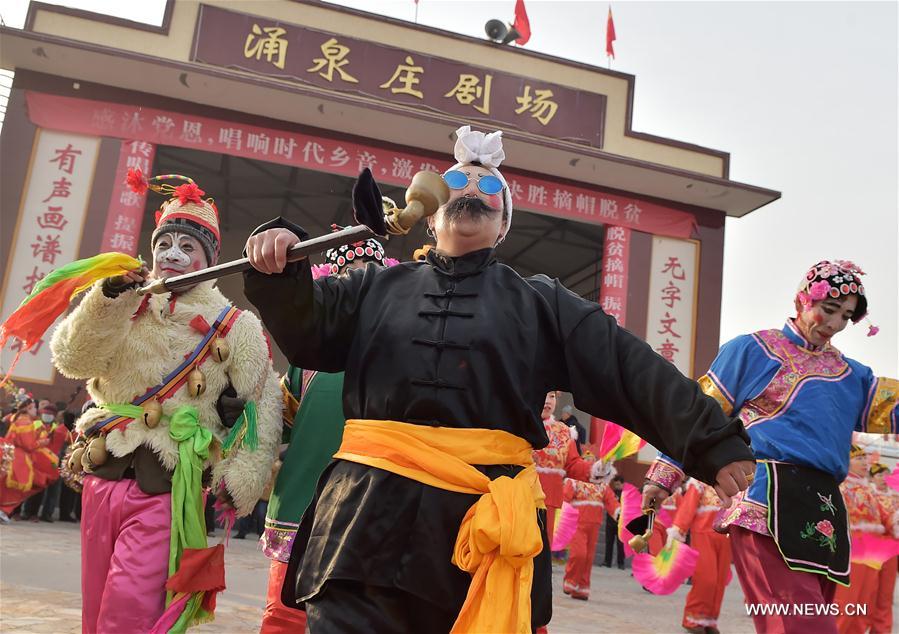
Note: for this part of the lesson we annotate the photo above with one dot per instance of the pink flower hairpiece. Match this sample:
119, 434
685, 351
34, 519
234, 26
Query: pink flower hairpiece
818, 291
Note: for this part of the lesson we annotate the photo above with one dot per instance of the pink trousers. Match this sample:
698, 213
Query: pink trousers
766, 579
124, 556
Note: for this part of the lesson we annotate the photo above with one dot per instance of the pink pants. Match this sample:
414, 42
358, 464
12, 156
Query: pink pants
767, 579
124, 556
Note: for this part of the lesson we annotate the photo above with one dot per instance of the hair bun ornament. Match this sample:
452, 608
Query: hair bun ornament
476, 147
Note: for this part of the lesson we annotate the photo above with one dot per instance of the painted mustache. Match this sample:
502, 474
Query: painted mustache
474, 207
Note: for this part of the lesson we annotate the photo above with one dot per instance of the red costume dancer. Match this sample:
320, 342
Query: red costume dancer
33, 468
591, 501
882, 618
696, 515
558, 460
865, 516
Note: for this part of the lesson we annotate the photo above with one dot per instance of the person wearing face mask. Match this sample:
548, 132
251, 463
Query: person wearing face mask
32, 469
429, 517
43, 506
800, 399
313, 427
165, 372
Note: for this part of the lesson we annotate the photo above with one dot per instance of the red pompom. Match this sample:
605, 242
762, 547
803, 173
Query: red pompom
136, 181
189, 192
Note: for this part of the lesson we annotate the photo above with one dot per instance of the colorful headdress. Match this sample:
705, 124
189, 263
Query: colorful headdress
365, 251
186, 211
856, 452
837, 278
878, 467
473, 147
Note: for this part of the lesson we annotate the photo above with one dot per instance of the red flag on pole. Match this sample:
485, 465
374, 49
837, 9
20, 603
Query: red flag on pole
521, 24
610, 35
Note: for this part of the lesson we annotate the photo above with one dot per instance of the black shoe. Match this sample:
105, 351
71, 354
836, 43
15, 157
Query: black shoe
620, 566
47, 519
240, 536
67, 519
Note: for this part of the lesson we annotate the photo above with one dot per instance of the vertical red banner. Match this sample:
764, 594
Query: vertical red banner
613, 285
126, 208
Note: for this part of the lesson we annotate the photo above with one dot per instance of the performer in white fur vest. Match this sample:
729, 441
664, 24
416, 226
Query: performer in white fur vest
157, 367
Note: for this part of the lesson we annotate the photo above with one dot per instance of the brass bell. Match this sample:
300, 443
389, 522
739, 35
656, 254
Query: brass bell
638, 543
152, 413
220, 350
75, 465
196, 382
96, 451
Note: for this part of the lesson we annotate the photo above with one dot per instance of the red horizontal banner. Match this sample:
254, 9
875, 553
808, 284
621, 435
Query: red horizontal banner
162, 127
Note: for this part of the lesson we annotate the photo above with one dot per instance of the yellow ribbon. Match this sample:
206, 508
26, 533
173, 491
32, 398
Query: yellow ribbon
499, 535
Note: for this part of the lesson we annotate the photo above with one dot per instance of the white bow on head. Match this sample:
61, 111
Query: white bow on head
487, 149
473, 146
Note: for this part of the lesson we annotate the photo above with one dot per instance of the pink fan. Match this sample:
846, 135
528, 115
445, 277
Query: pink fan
873, 550
631, 509
667, 571
566, 525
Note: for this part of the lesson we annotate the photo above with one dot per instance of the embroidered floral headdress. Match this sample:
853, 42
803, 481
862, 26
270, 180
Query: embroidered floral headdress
836, 279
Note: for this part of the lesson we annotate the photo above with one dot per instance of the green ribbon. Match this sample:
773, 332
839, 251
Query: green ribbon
188, 519
124, 409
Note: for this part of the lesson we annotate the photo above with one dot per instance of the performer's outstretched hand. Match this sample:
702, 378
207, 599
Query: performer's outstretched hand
267, 251
732, 479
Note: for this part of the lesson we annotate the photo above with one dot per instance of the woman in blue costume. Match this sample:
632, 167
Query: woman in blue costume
800, 400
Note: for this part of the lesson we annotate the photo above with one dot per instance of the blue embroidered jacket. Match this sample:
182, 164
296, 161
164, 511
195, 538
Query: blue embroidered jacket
799, 404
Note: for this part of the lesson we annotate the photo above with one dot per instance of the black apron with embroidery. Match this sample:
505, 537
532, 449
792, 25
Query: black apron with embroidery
808, 520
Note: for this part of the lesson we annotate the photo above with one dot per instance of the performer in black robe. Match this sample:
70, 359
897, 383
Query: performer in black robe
462, 341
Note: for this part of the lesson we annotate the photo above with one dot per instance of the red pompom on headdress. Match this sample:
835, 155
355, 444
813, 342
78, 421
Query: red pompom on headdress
189, 192
136, 181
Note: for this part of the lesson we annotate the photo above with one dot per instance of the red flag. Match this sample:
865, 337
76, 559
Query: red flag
521, 24
610, 35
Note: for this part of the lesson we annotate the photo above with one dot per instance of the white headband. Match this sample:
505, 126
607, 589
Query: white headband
486, 149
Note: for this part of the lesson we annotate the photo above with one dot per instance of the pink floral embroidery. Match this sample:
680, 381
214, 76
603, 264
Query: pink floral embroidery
824, 527
797, 365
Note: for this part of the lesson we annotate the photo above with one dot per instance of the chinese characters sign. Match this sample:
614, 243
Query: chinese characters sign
126, 208
671, 317
613, 284
288, 51
163, 127
48, 233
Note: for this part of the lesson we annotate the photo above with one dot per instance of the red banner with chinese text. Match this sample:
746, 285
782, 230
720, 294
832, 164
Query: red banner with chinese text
613, 285
126, 208
307, 151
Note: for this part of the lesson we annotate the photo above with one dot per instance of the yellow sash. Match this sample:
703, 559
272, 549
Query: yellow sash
499, 536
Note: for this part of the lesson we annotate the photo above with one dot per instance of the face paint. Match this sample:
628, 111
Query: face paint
177, 253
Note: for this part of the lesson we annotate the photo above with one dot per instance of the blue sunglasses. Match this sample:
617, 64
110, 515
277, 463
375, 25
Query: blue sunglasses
487, 183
